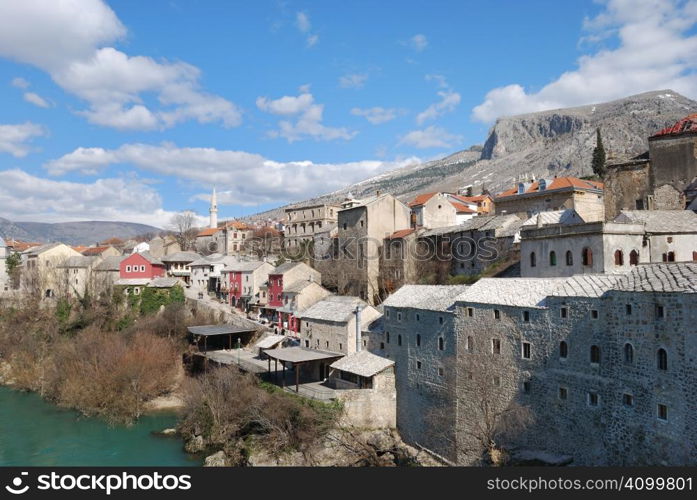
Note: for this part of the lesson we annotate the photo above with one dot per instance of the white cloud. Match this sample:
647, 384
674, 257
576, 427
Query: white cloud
307, 125
418, 42
430, 137
353, 81
655, 50
36, 100
30, 198
70, 40
449, 100
377, 114
14, 138
20, 83
247, 178
302, 21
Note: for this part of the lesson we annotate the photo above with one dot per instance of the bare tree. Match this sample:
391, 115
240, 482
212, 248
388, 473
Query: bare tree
184, 226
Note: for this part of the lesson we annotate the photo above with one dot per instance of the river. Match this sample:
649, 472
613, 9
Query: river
36, 433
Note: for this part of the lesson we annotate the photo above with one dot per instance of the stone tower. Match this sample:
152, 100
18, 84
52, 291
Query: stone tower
214, 210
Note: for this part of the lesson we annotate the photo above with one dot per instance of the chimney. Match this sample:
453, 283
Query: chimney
359, 340
377, 193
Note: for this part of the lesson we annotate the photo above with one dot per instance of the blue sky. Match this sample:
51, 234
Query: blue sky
134, 110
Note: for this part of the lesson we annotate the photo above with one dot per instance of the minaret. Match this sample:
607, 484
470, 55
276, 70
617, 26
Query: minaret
214, 210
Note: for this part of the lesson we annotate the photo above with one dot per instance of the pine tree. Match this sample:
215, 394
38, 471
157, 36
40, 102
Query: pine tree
598, 162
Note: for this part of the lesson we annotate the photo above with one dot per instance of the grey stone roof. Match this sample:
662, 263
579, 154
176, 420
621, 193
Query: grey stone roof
285, 267
427, 297
163, 282
505, 225
150, 258
300, 354
41, 249
215, 258
661, 221
110, 263
244, 267
226, 329
270, 341
587, 285
78, 261
297, 286
335, 308
566, 217
519, 292
132, 282
363, 363
181, 257
662, 277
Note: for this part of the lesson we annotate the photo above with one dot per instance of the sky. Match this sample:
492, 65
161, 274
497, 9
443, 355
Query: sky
133, 111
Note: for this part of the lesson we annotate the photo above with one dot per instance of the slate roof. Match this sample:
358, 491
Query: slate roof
181, 257
78, 261
164, 282
132, 282
270, 341
335, 308
587, 285
41, 249
150, 258
520, 292
110, 263
300, 354
244, 267
427, 297
507, 225
661, 221
207, 330
297, 286
215, 258
363, 363
566, 217
662, 277
285, 267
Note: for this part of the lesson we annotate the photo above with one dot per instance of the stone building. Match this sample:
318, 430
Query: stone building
4, 277
244, 282
661, 179
40, 272
432, 210
304, 222
330, 324
107, 272
179, 265
363, 227
418, 334
101, 251
297, 297
281, 280
78, 275
561, 244
206, 273
399, 263
545, 195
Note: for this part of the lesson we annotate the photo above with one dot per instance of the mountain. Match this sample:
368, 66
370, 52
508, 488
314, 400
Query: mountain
72, 233
545, 144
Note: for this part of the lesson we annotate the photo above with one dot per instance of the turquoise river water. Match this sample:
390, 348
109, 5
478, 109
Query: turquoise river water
36, 433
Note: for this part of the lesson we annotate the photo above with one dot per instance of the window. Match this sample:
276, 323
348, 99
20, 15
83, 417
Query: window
569, 258
496, 380
496, 346
627, 399
418, 340
387, 337
128, 269
441, 372
660, 312
399, 340
470, 312
628, 354
587, 257
440, 320
633, 258
563, 393
593, 399
662, 412
563, 350
628, 309
662, 359
418, 365
441, 344
669, 257
341, 347
527, 350
526, 387
595, 354
552, 258
594, 314
619, 258
382, 345
470, 343
564, 311
533, 259
694, 256
399, 316
344, 226
362, 223
497, 314
526, 316
418, 317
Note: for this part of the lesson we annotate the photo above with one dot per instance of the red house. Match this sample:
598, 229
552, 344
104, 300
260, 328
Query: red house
141, 265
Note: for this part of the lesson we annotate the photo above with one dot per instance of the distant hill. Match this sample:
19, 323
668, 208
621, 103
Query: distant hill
546, 144
72, 233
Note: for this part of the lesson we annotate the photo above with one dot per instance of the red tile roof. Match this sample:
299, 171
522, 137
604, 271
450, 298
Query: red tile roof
472, 199
687, 124
462, 208
558, 183
421, 199
237, 225
400, 234
21, 246
208, 232
87, 252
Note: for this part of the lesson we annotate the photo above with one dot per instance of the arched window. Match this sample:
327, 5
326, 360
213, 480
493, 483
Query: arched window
619, 258
595, 354
533, 259
633, 258
569, 258
628, 354
563, 350
552, 258
662, 359
587, 256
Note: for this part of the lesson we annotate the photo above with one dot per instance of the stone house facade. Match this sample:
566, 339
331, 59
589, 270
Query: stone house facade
304, 222
179, 265
244, 282
78, 275
4, 277
439, 210
297, 297
40, 272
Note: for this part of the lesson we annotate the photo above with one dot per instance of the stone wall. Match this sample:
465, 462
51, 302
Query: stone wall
371, 408
627, 187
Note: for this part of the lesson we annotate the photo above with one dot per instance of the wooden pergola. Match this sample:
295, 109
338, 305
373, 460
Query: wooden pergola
297, 357
206, 331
